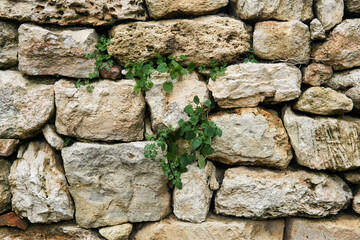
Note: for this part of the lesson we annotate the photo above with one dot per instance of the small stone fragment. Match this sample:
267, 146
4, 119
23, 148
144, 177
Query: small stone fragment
317, 31
356, 202
316, 74
119, 232
329, 12
12, 220
353, 6
52, 137
8, 146
8, 44
352, 176
113, 73
5, 194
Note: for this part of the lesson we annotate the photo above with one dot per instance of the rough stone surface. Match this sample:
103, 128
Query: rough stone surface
25, 106
51, 51
251, 136
5, 194
201, 39
178, 8
119, 232
215, 227
60, 231
323, 101
248, 84
324, 142
168, 108
99, 12
12, 220
317, 31
343, 227
316, 74
38, 185
8, 44
8, 146
352, 176
353, 6
263, 193
356, 202
192, 202
114, 184
52, 137
287, 41
341, 50
329, 12
273, 9
113, 111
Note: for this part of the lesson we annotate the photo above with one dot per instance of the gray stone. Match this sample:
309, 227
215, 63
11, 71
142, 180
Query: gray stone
317, 31
316, 74
119, 232
353, 6
52, 137
352, 176
8, 146
356, 202
329, 12
5, 194
8, 44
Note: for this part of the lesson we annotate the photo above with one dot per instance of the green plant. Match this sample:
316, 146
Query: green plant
68, 142
250, 57
84, 82
216, 69
197, 132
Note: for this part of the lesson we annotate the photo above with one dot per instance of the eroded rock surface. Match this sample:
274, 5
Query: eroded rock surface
353, 5
329, 12
317, 30
316, 74
5, 194
352, 176
8, 146
8, 44
356, 202
52, 137
119, 232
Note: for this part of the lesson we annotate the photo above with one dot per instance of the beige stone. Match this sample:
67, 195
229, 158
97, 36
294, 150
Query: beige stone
316, 74
215, 227
329, 12
341, 50
353, 5
5, 194
352, 176
113, 111
8, 146
249, 84
200, 39
99, 12
356, 202
119, 232
287, 41
56, 51
52, 137
25, 106
262, 193
8, 44
317, 31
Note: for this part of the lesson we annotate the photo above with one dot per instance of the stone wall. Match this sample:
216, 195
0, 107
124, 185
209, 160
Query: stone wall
287, 165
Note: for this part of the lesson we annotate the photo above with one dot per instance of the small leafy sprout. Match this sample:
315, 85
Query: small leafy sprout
84, 82
68, 142
250, 57
215, 69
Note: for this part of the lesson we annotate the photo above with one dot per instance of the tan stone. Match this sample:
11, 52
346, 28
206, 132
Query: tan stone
352, 176
119, 232
8, 146
316, 74
329, 12
5, 194
52, 137
8, 44
317, 31
353, 5
287, 41
200, 39
113, 111
356, 202
341, 50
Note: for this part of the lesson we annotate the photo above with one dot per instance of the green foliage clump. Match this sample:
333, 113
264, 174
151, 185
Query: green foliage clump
84, 82
250, 57
216, 69
68, 142
197, 132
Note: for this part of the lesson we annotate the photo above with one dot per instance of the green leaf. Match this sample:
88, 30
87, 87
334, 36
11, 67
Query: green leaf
190, 135
209, 131
173, 74
207, 103
196, 100
207, 149
78, 83
196, 143
137, 89
182, 57
162, 68
191, 67
201, 162
194, 120
168, 87
218, 132
189, 109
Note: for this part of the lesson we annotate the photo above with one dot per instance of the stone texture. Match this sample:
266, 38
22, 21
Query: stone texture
316, 74
201, 39
287, 41
8, 44
251, 136
38, 185
168, 108
99, 12
317, 31
112, 112
25, 106
178, 8
5, 194
323, 101
329, 12
270, 9
341, 50
324, 142
8, 146
52, 137
248, 84
60, 231
12, 220
343, 227
215, 227
192, 202
352, 176
261, 193
356, 202
114, 184
56, 51
119, 232
353, 6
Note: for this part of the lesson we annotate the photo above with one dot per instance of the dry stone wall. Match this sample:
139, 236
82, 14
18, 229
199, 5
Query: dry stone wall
75, 122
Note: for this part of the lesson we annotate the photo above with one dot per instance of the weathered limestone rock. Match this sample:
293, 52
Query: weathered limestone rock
8, 146
317, 74
192, 202
356, 202
8, 44
5, 194
288, 41
248, 84
352, 176
51, 51
323, 101
52, 137
112, 112
60, 231
329, 12
12, 220
25, 106
201, 39
270, 9
353, 6
324, 142
119, 232
251, 136
317, 31
215, 227
168, 108
343, 227
341, 50
99, 12
114, 184
170, 8
38, 185
263, 193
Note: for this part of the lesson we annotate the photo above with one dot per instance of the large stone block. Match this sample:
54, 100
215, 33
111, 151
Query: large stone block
329, 12
5, 194
8, 44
